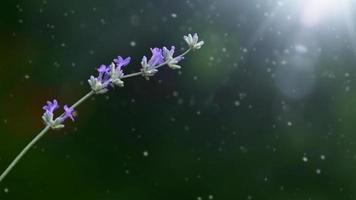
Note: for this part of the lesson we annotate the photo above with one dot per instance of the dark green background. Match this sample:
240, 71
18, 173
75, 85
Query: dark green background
220, 128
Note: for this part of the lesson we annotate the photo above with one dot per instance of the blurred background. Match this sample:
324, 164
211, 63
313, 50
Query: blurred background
265, 110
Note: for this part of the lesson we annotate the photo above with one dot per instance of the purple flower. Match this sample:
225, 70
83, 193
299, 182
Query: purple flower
149, 68
50, 107
99, 84
156, 58
48, 115
116, 72
103, 76
68, 113
121, 62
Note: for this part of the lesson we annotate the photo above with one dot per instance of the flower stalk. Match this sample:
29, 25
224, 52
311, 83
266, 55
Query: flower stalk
111, 75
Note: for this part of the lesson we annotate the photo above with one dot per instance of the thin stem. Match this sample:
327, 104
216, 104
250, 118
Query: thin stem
47, 128
23, 152
131, 75
184, 53
81, 100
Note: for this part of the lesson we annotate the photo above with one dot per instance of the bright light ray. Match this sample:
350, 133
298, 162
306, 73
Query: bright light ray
262, 29
349, 20
315, 11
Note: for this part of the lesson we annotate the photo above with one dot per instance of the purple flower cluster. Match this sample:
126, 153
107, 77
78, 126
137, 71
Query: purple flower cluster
158, 58
170, 59
116, 73
48, 115
149, 68
107, 75
51, 107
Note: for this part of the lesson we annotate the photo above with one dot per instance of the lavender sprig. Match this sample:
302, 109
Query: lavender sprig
108, 76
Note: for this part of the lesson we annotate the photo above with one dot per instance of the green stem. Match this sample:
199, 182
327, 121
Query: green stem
23, 152
131, 75
81, 100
